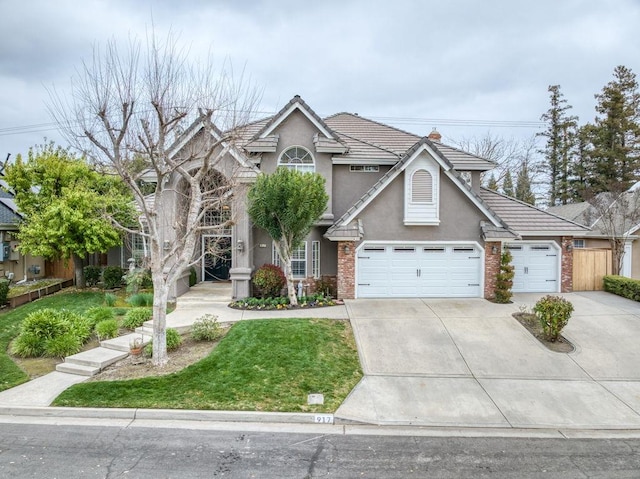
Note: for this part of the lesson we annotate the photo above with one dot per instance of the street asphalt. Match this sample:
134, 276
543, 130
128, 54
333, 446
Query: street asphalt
440, 364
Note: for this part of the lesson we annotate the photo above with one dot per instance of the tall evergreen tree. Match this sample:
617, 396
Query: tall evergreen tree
523, 185
507, 184
492, 184
561, 136
614, 156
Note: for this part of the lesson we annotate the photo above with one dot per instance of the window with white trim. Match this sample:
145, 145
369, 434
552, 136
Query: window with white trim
364, 168
297, 158
298, 260
578, 243
315, 259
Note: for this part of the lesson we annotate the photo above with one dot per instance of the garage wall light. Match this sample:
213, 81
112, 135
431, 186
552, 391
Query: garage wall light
494, 250
346, 248
569, 247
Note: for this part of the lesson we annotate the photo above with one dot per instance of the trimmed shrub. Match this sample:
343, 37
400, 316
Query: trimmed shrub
504, 279
110, 299
140, 299
120, 311
80, 326
174, 340
206, 328
92, 274
107, 329
626, 287
193, 276
112, 277
270, 280
28, 345
136, 317
98, 313
4, 291
326, 287
554, 313
62, 346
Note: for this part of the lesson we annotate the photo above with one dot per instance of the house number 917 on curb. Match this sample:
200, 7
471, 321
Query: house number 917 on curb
323, 419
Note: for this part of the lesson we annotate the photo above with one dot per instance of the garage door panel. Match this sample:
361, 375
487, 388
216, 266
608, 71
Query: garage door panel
419, 271
535, 268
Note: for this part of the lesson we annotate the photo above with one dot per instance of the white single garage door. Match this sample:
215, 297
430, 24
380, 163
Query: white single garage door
419, 271
536, 267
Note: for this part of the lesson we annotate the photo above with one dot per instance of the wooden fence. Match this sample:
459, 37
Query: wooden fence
589, 266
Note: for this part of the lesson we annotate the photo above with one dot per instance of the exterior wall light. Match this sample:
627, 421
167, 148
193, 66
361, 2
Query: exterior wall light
347, 249
569, 247
494, 249
240, 246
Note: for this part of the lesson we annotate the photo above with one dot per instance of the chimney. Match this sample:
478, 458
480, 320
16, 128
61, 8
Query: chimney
434, 135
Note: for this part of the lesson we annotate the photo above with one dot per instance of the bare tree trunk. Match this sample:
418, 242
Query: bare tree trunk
284, 251
617, 253
160, 296
78, 271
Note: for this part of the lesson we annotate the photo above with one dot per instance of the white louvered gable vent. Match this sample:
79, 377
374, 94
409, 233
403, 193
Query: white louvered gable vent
422, 187
422, 198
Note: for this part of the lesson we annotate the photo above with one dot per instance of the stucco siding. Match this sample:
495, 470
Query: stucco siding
349, 187
459, 217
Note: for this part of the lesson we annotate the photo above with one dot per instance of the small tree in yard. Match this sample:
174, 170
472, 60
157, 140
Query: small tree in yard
504, 279
286, 204
126, 110
66, 206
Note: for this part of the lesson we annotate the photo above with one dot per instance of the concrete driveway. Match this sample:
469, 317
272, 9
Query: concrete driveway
469, 363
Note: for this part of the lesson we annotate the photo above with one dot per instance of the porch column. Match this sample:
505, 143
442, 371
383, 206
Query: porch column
566, 274
241, 245
491, 267
346, 270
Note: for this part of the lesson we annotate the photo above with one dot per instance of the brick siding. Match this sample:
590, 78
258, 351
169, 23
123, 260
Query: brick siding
491, 267
566, 285
346, 270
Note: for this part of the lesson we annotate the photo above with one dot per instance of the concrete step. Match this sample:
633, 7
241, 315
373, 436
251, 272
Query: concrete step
97, 358
147, 327
123, 343
77, 369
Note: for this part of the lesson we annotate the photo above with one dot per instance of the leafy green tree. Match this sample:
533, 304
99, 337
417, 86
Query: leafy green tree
286, 204
614, 153
66, 206
507, 184
504, 279
559, 147
523, 185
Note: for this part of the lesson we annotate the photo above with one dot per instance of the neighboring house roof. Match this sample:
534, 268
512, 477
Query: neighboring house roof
527, 220
586, 214
8, 216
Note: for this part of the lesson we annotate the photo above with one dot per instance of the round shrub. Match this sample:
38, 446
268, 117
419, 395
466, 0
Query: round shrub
50, 332
62, 346
174, 340
4, 291
92, 274
136, 317
98, 313
554, 313
206, 328
112, 277
270, 279
107, 329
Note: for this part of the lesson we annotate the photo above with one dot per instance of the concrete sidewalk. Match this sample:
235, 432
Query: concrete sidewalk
469, 363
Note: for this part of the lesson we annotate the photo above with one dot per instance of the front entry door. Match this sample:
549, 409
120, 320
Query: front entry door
216, 254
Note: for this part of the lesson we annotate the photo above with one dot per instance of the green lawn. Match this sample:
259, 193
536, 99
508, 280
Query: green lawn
10, 374
263, 365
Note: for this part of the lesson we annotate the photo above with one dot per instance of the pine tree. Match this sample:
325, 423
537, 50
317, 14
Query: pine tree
492, 184
507, 184
558, 150
523, 185
614, 155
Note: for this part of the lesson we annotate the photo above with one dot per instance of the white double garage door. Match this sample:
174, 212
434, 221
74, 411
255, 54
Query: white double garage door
432, 270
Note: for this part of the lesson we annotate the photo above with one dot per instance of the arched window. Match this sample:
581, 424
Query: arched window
422, 187
297, 158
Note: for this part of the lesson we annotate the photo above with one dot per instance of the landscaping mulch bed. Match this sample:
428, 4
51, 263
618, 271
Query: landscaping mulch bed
531, 322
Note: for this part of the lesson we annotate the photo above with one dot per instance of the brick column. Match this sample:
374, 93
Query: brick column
566, 280
491, 267
346, 269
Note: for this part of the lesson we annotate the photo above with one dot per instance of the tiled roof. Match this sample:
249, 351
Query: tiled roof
573, 211
527, 219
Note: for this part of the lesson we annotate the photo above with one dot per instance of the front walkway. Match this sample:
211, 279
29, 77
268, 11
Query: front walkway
468, 363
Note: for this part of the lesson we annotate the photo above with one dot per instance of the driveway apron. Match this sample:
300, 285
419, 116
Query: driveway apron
469, 363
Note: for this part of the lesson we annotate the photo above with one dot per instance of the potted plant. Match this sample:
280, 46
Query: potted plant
136, 346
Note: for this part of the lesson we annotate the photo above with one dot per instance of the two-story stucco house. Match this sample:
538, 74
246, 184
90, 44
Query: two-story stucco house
407, 216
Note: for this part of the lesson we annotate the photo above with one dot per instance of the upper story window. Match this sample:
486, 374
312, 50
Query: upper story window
422, 187
422, 192
297, 158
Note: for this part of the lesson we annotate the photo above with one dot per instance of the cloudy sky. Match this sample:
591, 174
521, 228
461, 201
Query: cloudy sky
463, 66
